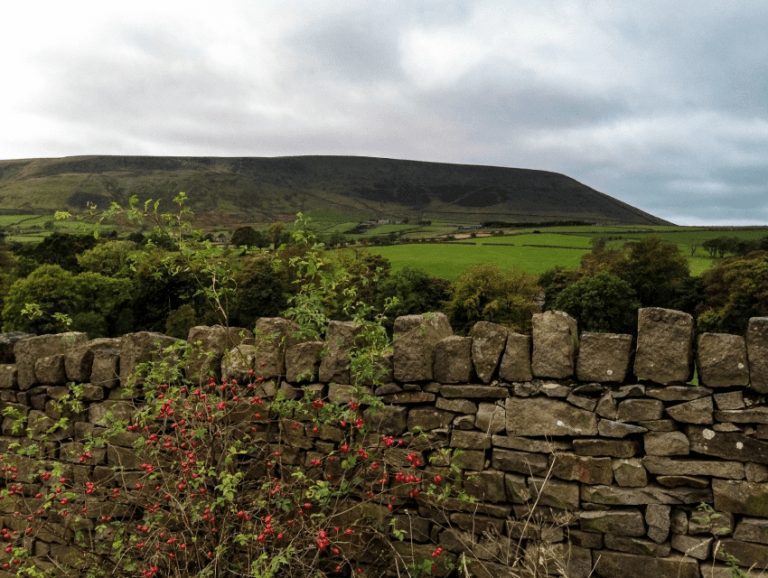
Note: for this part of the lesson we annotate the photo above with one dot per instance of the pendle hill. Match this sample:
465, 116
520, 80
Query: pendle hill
331, 188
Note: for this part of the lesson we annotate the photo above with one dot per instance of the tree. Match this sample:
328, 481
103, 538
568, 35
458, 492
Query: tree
262, 287
59, 249
113, 258
415, 291
249, 237
485, 292
655, 269
600, 302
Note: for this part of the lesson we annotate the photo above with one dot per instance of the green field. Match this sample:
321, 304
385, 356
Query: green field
551, 247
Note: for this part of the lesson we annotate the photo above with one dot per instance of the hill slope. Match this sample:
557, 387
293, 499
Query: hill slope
330, 187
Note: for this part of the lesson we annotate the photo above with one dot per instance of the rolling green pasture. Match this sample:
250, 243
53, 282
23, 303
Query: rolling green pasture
550, 247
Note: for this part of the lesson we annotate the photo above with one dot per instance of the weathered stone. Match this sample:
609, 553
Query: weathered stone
528, 389
409, 397
698, 411
339, 341
108, 412
664, 345
470, 460
517, 489
302, 361
640, 409
729, 446
105, 368
616, 496
141, 347
678, 392
470, 440
456, 405
757, 415
629, 473
587, 470
488, 486
238, 363
712, 570
545, 446
79, 360
619, 522
553, 493
631, 390
722, 360
207, 347
609, 564
474, 391
757, 353
28, 350
584, 539
659, 425
611, 448
428, 418
685, 467
548, 417
603, 357
556, 390
341, 393
752, 530
7, 343
639, 546
453, 360
50, 370
516, 361
583, 402
678, 521
520, 462
387, 420
666, 444
694, 547
8, 375
756, 472
745, 554
741, 497
730, 400
272, 335
415, 337
657, 518
607, 407
491, 418
555, 339
709, 522
488, 343
616, 429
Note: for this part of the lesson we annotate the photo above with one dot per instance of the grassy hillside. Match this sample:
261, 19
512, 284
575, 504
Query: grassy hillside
331, 189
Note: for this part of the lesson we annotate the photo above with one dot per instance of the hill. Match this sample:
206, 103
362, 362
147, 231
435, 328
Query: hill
331, 188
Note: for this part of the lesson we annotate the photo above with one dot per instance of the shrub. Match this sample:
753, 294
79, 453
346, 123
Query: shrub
600, 302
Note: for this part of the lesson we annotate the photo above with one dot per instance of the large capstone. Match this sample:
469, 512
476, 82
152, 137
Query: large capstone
144, 347
488, 343
28, 350
414, 340
603, 357
453, 360
664, 345
516, 361
207, 347
722, 360
757, 352
339, 341
555, 339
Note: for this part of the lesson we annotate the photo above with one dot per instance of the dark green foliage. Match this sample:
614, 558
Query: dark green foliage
485, 292
415, 291
554, 281
249, 237
58, 249
735, 290
600, 302
262, 289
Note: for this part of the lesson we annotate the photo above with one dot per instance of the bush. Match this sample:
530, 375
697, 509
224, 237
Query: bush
600, 302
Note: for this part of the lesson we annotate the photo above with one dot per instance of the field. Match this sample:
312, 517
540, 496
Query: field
536, 252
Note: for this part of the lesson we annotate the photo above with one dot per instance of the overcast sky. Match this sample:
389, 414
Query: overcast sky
661, 104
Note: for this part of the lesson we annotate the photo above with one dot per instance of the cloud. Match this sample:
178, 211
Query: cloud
661, 105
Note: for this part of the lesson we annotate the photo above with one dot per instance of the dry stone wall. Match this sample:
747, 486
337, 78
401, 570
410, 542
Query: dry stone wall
589, 454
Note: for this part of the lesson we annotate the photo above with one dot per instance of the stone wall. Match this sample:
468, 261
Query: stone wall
628, 469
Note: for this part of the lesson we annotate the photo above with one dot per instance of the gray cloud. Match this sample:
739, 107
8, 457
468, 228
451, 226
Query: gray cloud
662, 105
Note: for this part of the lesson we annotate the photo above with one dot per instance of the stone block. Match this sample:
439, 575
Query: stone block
428, 419
141, 347
387, 420
639, 546
637, 409
672, 443
603, 357
105, 368
609, 564
470, 440
545, 446
752, 530
693, 546
207, 346
619, 522
7, 343
108, 412
50, 370
453, 360
728, 445
741, 497
238, 363
629, 473
8, 376
79, 360
744, 554
664, 345
488, 486
610, 448
474, 391
302, 361
491, 418
684, 392
339, 340
758, 415
548, 417
757, 353
457, 405
271, 337
685, 467
414, 340
519, 462
722, 360
658, 520
554, 493
617, 496
555, 340
28, 350
584, 469
698, 411
730, 400
617, 429
516, 361
488, 343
